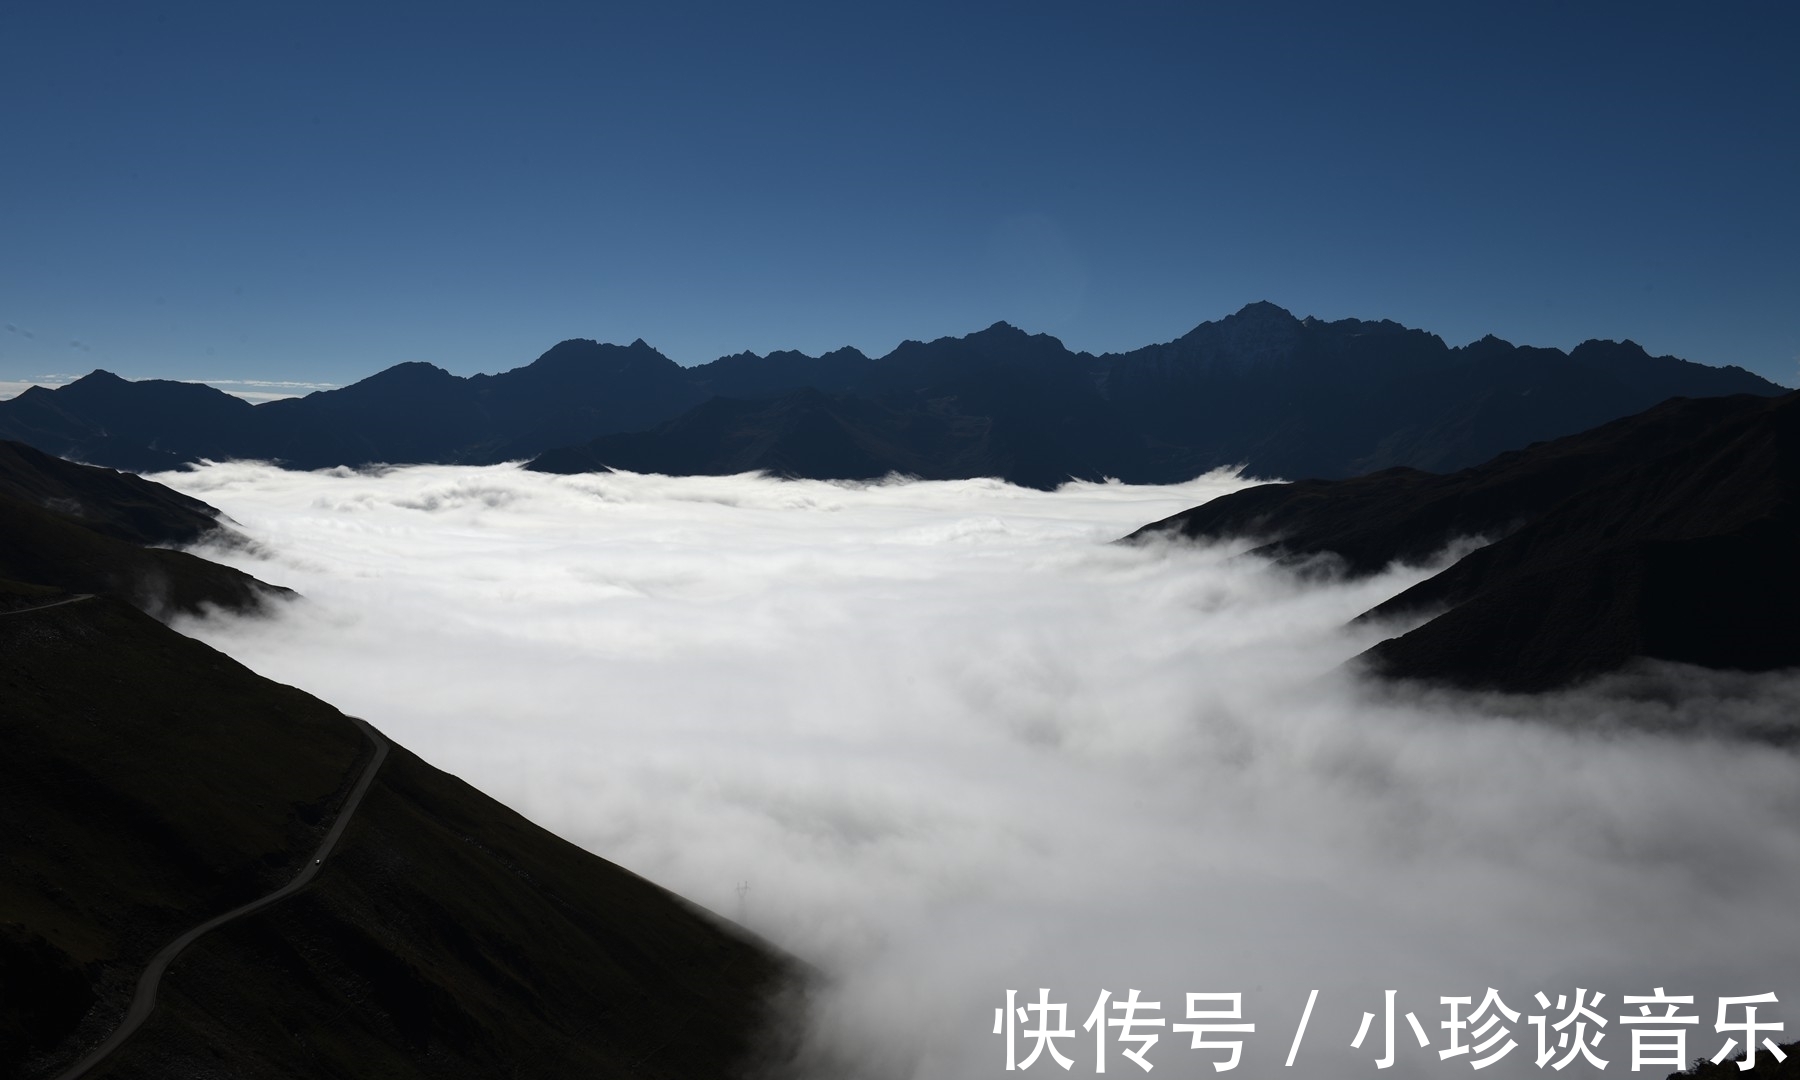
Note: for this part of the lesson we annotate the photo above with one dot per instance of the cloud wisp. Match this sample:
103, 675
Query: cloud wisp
257, 391
955, 742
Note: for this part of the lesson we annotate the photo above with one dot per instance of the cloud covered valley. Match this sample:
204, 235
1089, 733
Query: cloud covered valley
955, 742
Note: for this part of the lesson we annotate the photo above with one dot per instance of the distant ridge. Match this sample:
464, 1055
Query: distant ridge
1261, 388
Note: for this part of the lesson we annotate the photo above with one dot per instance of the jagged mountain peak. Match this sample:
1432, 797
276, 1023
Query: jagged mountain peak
569, 346
407, 371
1256, 335
1488, 345
577, 351
1260, 317
1005, 334
1263, 311
1596, 346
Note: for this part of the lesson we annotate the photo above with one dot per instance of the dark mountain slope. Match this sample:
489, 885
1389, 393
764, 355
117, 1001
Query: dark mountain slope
1685, 556
148, 782
42, 548
79, 528
1668, 535
128, 810
1408, 515
119, 505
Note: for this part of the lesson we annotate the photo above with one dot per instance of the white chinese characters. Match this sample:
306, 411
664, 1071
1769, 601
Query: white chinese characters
1569, 1029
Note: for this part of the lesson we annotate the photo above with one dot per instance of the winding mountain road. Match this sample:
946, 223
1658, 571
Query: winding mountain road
51, 604
144, 999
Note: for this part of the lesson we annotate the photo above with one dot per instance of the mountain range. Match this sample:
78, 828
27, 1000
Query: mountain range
1260, 388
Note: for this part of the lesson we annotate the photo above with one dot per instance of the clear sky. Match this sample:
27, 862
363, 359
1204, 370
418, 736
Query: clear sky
309, 193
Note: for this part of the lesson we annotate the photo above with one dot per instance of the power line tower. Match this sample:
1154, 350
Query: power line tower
742, 888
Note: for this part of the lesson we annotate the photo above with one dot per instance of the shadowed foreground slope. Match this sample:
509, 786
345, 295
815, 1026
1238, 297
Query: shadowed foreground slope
148, 782
1669, 535
114, 504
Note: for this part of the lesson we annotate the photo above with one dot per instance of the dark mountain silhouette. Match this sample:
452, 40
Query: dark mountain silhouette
805, 433
1307, 398
1284, 396
119, 505
747, 375
148, 783
420, 413
81, 529
997, 403
411, 412
1667, 535
140, 426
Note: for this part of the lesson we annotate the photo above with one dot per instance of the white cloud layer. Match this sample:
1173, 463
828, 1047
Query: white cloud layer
957, 743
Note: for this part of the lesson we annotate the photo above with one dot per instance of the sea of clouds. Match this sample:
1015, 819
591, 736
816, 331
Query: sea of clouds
956, 742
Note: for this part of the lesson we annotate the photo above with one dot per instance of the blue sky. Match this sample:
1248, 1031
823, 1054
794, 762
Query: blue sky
310, 193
